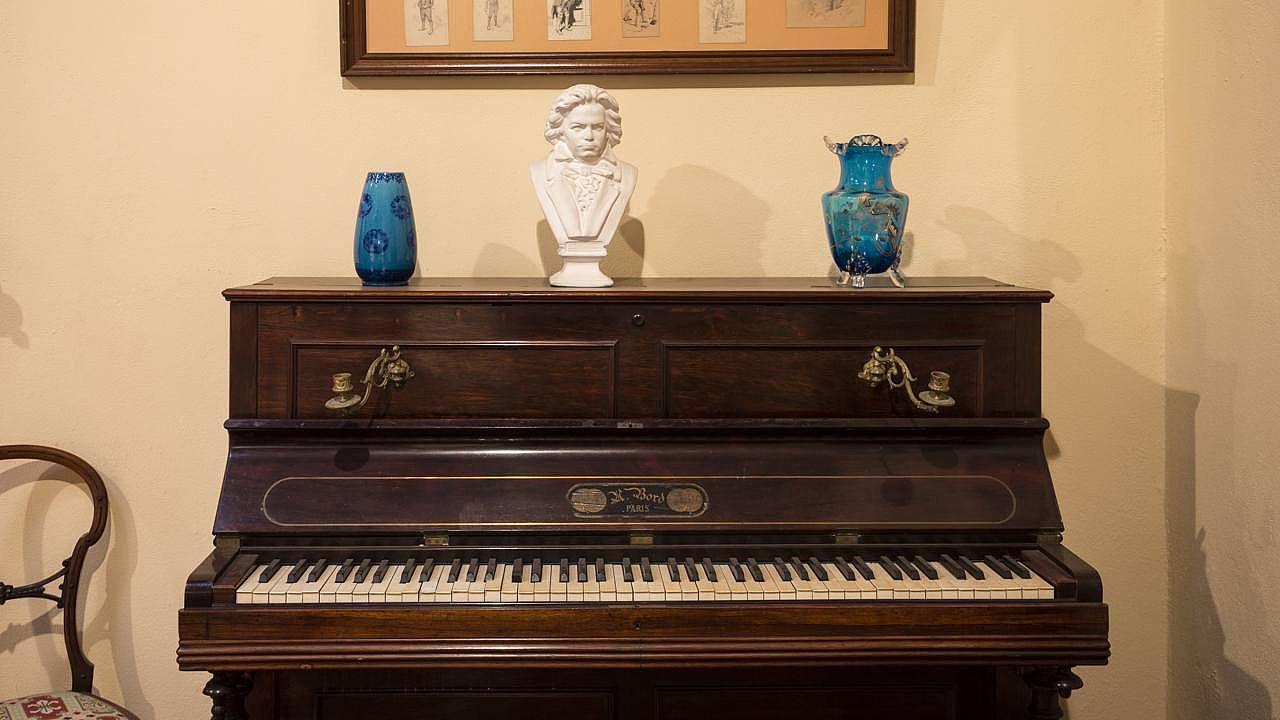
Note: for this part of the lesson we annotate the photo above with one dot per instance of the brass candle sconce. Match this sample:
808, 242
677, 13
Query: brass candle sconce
886, 367
388, 368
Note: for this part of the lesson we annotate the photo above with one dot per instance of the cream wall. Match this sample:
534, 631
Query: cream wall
155, 153
1222, 496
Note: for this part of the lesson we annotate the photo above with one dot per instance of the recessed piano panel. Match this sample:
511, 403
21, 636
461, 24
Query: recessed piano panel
488, 501
467, 379
810, 380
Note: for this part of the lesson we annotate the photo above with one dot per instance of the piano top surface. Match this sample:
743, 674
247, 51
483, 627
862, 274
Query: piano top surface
937, 289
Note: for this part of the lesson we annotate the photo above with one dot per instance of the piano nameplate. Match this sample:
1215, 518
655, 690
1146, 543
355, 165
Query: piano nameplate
637, 500
460, 502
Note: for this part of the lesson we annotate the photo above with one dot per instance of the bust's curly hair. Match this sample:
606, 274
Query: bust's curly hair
584, 95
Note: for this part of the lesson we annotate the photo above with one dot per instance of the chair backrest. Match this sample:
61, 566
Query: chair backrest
68, 591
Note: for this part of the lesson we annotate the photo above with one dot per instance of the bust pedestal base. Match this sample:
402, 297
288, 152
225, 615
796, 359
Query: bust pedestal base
582, 267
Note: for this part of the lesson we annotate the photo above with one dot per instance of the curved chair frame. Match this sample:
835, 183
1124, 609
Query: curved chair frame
68, 596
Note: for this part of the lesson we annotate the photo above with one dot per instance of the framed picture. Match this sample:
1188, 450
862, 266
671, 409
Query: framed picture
539, 37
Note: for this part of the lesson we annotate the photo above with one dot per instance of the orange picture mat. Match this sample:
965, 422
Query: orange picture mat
678, 30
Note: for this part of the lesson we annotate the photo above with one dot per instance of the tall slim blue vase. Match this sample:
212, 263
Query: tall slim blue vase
386, 242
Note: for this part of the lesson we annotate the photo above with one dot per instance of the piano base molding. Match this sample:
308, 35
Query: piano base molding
915, 693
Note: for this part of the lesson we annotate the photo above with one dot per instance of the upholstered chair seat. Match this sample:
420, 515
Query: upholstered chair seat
62, 706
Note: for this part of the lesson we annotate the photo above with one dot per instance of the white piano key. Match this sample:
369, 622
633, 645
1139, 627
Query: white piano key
949, 589
444, 589
721, 585
785, 590
737, 590
507, 590
525, 588
609, 588
309, 592
591, 588
837, 587
430, 580
244, 593
659, 589
688, 588
476, 591
559, 588
360, 592
705, 586
755, 589
576, 587
542, 590
805, 588
378, 591
771, 590
279, 592
403, 592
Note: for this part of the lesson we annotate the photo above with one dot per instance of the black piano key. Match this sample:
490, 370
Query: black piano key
455, 569
426, 569
362, 572
672, 570
407, 573
709, 569
627, 574
517, 571
754, 568
473, 569
490, 569
998, 566
269, 571
801, 570
735, 569
953, 567
691, 569
818, 571
1017, 567
783, 571
317, 570
845, 571
295, 574
582, 569
972, 569
564, 570
925, 567
600, 570
894, 572
344, 572
908, 568
646, 571
535, 572
380, 573
863, 568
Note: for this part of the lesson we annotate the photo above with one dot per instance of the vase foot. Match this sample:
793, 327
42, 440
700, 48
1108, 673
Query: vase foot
856, 281
895, 275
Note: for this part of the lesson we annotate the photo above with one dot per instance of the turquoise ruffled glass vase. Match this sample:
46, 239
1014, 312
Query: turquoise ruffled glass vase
386, 242
866, 214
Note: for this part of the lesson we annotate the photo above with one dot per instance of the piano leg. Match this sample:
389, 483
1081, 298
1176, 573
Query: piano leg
1047, 686
228, 690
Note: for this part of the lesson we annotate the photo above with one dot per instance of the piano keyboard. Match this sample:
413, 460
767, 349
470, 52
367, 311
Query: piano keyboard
644, 580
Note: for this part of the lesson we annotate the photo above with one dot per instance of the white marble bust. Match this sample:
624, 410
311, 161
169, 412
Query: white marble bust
582, 188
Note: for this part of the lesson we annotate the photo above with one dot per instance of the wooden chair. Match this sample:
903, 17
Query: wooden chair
79, 703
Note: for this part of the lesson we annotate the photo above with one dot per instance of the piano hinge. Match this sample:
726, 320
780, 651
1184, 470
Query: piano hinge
640, 538
1049, 538
848, 537
227, 543
436, 539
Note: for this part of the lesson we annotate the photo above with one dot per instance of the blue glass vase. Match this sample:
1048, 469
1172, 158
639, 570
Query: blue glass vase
386, 243
865, 214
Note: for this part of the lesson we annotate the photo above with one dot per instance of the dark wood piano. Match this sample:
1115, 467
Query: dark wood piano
674, 499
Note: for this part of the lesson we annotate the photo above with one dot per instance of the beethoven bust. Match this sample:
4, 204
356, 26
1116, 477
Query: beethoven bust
582, 188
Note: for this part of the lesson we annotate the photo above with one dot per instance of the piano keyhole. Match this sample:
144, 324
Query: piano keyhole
635, 625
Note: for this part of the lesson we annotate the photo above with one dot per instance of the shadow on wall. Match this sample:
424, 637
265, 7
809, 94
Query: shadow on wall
989, 243
1203, 682
111, 624
11, 321
711, 206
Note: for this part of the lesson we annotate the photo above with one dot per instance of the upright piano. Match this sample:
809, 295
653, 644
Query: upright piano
676, 499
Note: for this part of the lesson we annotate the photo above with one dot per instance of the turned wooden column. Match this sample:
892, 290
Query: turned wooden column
228, 691
1048, 686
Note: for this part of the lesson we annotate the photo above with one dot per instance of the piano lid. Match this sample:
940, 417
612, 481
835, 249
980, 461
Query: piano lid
311, 479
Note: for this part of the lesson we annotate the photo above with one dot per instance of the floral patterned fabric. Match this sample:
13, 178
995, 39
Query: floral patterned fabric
62, 706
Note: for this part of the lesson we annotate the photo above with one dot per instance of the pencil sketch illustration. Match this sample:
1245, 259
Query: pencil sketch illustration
826, 13
426, 22
568, 19
722, 21
493, 19
640, 18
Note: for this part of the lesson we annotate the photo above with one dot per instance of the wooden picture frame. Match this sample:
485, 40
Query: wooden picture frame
791, 49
